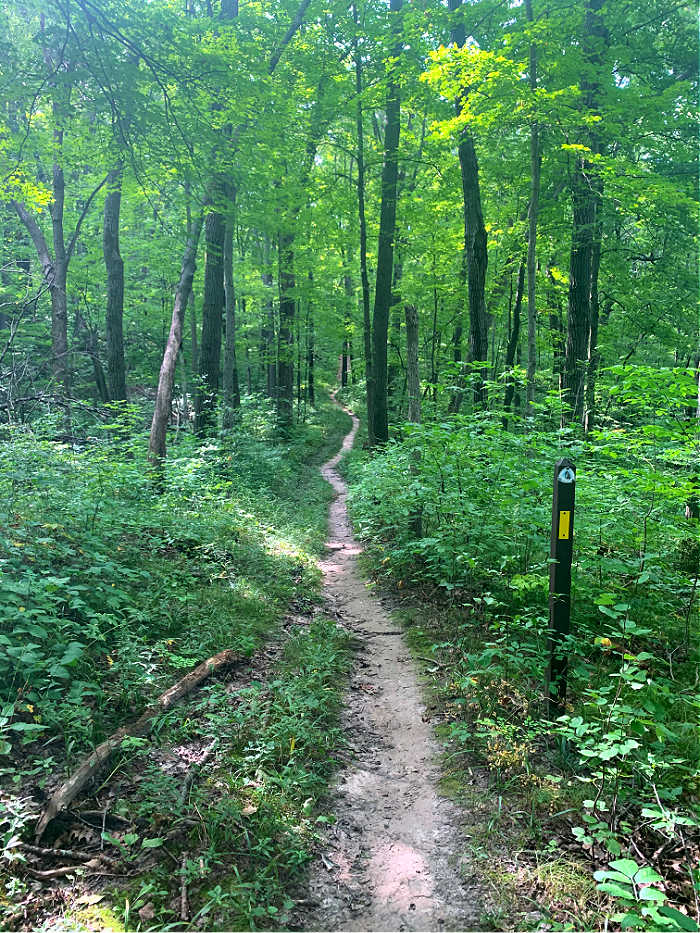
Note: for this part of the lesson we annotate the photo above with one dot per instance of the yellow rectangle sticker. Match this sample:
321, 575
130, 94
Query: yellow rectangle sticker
564, 525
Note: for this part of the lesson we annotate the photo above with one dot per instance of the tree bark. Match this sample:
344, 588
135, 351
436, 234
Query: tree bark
114, 264
475, 244
412, 369
212, 315
285, 365
593, 352
366, 319
586, 191
387, 231
535, 173
164, 394
310, 352
232, 392
512, 347
268, 330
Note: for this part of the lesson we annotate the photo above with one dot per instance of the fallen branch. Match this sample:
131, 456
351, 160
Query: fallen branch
70, 789
73, 854
93, 864
184, 904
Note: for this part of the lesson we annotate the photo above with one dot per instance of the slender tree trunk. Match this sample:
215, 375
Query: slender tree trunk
366, 318
212, 314
347, 325
512, 347
285, 366
232, 392
475, 244
412, 370
387, 231
270, 356
593, 352
535, 172
114, 264
579, 291
164, 394
310, 353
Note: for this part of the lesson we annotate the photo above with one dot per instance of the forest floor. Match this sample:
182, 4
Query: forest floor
391, 859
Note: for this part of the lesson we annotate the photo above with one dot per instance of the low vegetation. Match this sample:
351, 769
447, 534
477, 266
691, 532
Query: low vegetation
458, 514
112, 593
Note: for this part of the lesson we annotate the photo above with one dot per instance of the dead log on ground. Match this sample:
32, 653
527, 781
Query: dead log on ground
70, 788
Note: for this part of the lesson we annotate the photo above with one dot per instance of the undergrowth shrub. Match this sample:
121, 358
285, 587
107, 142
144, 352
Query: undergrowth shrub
460, 510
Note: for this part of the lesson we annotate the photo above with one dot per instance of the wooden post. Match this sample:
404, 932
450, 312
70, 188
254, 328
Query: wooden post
560, 582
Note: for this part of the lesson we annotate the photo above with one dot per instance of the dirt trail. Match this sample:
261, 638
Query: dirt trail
390, 859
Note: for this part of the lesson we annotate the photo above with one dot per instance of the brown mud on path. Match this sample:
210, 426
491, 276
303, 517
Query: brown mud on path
390, 861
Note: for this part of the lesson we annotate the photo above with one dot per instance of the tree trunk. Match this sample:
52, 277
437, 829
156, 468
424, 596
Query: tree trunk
232, 392
586, 192
347, 326
512, 347
310, 354
116, 370
535, 172
579, 291
475, 244
270, 356
387, 230
412, 370
164, 394
593, 352
285, 366
212, 314
366, 319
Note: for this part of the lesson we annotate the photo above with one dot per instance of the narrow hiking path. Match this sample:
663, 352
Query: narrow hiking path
391, 858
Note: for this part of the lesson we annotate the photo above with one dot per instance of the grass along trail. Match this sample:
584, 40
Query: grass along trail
391, 857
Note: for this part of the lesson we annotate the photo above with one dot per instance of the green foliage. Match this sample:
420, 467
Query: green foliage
110, 591
629, 735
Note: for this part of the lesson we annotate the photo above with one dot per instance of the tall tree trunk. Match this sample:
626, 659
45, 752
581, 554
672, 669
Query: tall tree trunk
387, 230
270, 355
475, 244
579, 316
364, 276
212, 314
347, 325
310, 353
114, 264
59, 295
285, 366
232, 392
512, 347
164, 394
412, 370
586, 192
535, 172
593, 352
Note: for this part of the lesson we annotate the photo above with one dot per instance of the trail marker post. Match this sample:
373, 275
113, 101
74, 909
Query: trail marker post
560, 582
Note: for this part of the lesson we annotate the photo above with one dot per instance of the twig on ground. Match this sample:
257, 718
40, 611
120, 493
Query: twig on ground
184, 905
74, 854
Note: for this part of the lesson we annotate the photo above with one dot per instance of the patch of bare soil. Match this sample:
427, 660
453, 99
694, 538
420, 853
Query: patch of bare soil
391, 859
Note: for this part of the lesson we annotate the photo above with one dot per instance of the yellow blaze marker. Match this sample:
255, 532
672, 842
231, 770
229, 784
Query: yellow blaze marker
564, 525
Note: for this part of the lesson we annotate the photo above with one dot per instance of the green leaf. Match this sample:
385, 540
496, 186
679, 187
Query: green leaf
647, 875
684, 922
626, 866
616, 889
652, 894
152, 843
